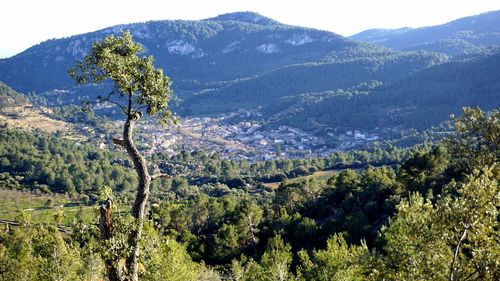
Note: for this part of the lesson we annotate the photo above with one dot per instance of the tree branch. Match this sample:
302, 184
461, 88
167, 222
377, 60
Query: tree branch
457, 249
108, 98
468, 277
119, 142
101, 99
117, 104
129, 108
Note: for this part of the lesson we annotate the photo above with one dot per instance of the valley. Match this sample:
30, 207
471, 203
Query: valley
241, 148
250, 141
298, 77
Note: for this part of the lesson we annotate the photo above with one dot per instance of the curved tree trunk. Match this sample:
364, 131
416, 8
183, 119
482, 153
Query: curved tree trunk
141, 198
137, 85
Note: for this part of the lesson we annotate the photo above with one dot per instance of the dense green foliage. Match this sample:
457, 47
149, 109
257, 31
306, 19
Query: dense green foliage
35, 251
52, 164
418, 101
200, 167
434, 217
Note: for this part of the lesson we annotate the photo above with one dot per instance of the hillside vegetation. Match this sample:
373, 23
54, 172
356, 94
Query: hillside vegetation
117, 205
291, 75
442, 203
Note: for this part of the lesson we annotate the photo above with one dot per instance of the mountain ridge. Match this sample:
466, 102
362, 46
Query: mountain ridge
244, 16
463, 35
241, 61
207, 50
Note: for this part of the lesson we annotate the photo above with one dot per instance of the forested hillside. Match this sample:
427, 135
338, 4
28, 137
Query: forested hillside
296, 76
192, 53
10, 97
93, 187
291, 75
418, 101
338, 70
432, 217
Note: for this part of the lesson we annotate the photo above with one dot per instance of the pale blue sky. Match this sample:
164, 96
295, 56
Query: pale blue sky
28, 22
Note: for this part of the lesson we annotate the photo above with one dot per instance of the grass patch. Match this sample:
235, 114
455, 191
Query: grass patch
42, 208
320, 175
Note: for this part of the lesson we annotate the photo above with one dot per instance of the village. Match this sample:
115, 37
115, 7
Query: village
245, 140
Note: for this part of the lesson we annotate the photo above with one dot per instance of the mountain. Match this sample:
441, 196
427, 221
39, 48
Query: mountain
418, 101
225, 54
286, 74
339, 71
379, 35
462, 36
192, 53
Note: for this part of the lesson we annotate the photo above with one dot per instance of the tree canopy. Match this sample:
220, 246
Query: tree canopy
134, 77
137, 86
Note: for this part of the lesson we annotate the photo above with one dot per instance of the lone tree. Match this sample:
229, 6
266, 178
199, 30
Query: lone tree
137, 86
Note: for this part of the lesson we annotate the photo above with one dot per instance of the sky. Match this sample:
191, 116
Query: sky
25, 23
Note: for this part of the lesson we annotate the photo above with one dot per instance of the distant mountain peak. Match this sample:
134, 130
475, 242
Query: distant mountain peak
247, 17
463, 36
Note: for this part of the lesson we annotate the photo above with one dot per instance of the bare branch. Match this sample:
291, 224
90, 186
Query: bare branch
119, 142
115, 90
101, 99
457, 249
117, 104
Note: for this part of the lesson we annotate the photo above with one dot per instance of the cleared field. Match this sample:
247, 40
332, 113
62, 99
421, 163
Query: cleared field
320, 175
26, 116
29, 117
42, 208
